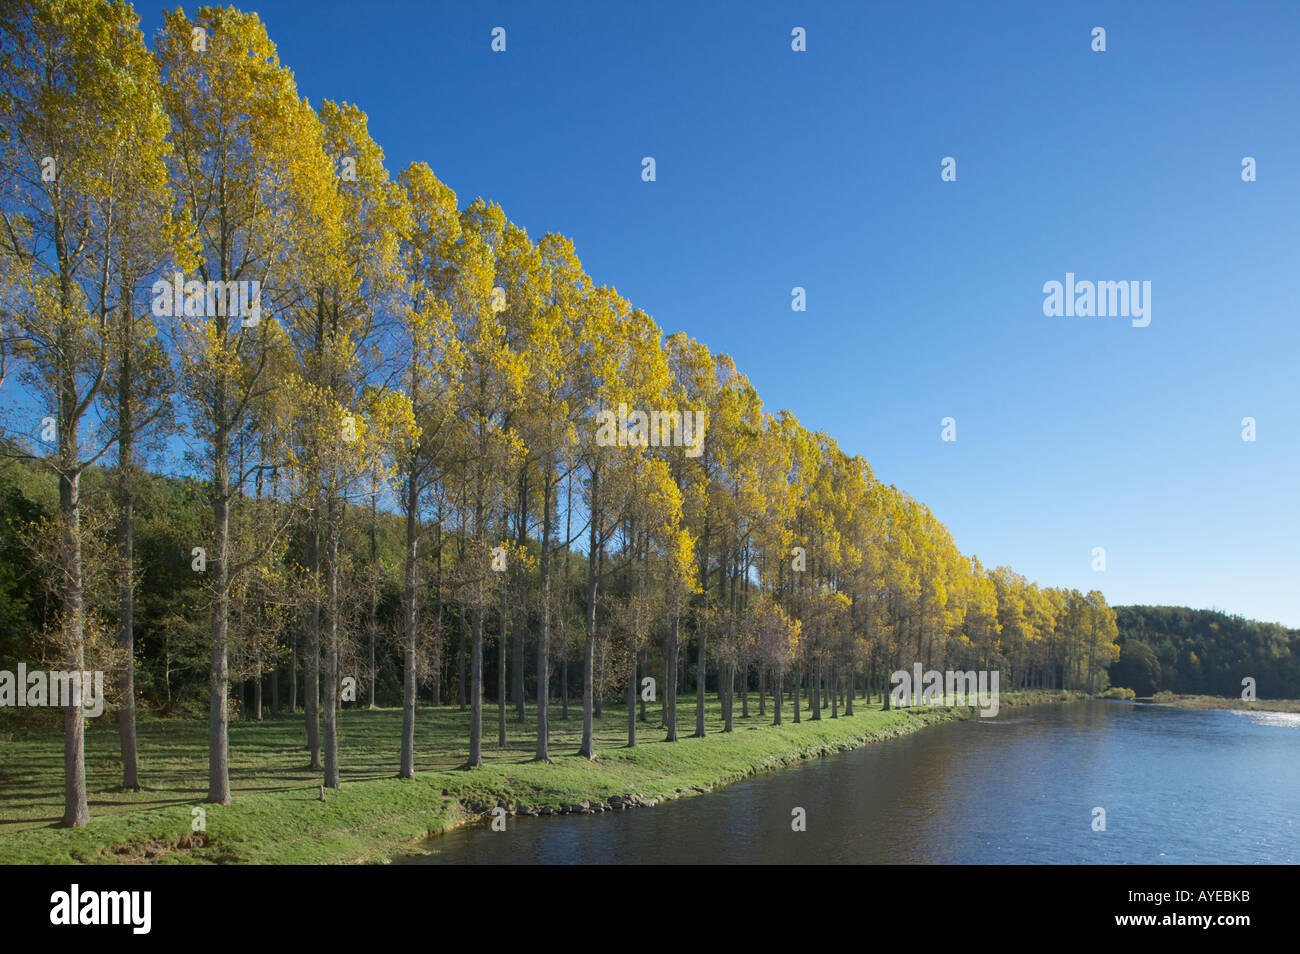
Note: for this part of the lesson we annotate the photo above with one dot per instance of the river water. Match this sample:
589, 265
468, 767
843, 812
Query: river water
1178, 786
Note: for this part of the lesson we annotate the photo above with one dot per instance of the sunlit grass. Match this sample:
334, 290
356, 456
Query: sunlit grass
277, 815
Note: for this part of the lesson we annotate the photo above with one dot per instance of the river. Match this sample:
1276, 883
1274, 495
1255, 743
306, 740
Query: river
1178, 786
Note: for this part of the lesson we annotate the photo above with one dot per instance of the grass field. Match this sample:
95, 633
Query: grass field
277, 815
1220, 702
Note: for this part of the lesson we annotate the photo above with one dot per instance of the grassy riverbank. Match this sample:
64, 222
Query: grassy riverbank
277, 816
1221, 702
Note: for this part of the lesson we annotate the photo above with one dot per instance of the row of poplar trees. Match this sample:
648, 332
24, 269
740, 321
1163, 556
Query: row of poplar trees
439, 359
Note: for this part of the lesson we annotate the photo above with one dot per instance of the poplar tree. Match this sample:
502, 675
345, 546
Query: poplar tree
82, 141
425, 339
250, 173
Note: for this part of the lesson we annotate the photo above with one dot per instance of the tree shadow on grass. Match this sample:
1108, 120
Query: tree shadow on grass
25, 823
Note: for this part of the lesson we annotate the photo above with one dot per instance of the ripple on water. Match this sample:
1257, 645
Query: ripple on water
1285, 720
1177, 785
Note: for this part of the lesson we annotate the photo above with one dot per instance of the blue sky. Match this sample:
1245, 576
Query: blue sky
821, 169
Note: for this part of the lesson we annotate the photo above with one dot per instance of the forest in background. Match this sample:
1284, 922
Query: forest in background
1191, 652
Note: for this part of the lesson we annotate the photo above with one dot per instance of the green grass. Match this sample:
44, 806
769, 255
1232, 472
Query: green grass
1226, 702
277, 816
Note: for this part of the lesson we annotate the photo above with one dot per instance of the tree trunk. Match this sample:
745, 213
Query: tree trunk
126, 599
544, 637
219, 672
731, 691
502, 643
476, 686
885, 684
76, 809
631, 702
521, 611
588, 748
311, 671
814, 690
670, 673
332, 651
374, 588
701, 664
293, 671
439, 655
410, 620
460, 660
645, 664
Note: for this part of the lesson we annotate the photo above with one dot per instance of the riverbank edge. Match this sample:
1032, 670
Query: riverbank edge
373, 820
1222, 702
918, 718
478, 810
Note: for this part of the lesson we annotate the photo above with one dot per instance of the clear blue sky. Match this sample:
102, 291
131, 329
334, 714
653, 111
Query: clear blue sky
821, 169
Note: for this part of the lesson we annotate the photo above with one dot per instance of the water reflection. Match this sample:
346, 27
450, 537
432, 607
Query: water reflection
1177, 785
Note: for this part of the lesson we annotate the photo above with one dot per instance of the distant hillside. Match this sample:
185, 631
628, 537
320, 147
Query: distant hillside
1184, 650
